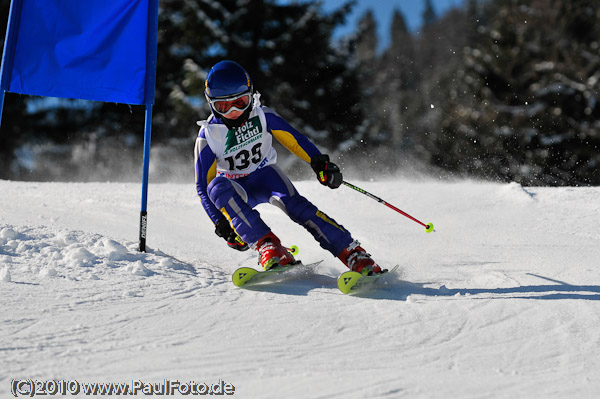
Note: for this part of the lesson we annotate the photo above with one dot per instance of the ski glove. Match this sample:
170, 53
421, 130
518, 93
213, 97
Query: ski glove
223, 229
327, 172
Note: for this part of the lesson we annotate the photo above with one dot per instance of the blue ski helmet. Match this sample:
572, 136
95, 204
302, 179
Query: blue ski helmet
227, 79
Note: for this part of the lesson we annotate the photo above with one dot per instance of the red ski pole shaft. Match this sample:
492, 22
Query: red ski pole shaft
428, 226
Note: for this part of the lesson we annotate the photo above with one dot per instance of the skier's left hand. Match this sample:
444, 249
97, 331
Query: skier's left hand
224, 230
327, 172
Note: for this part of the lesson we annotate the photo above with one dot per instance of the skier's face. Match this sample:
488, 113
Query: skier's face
232, 107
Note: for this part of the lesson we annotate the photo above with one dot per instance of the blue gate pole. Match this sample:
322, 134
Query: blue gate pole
145, 169
149, 100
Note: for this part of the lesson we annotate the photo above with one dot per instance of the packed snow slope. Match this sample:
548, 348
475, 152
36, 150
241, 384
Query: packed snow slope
502, 301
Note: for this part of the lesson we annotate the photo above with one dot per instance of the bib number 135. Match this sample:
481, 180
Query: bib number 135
242, 159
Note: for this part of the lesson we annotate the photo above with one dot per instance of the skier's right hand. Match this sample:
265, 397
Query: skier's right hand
223, 229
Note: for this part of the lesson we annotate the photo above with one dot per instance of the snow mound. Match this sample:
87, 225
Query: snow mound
139, 269
40, 252
7, 234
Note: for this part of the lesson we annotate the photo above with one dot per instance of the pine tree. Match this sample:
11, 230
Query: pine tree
288, 51
437, 60
366, 42
387, 82
526, 104
429, 15
398, 80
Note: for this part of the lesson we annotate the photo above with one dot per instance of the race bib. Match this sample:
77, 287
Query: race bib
242, 150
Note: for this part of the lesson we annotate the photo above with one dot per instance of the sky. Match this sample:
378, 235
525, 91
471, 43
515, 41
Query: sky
383, 11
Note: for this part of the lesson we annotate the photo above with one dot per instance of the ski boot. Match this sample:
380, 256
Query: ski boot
272, 253
358, 260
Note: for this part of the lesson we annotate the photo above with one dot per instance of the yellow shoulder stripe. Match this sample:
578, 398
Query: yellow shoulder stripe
290, 142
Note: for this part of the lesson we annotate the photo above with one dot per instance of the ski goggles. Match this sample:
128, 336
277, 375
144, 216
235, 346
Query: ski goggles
225, 105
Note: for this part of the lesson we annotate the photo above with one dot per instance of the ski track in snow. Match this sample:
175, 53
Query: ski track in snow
502, 301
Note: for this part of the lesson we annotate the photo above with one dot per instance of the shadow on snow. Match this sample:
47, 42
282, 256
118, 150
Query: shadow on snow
400, 290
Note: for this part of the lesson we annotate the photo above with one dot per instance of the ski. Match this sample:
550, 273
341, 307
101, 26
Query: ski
352, 282
245, 276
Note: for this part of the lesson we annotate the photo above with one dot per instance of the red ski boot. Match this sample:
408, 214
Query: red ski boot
358, 260
272, 253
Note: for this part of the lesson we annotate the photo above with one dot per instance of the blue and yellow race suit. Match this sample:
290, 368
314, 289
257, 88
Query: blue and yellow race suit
236, 170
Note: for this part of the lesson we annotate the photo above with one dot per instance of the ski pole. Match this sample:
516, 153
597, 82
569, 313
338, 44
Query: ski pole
428, 226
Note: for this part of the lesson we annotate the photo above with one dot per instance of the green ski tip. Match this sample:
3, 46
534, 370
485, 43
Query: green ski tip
429, 228
348, 280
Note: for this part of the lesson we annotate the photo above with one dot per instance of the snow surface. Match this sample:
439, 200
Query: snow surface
502, 301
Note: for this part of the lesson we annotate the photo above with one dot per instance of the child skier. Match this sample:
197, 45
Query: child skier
236, 170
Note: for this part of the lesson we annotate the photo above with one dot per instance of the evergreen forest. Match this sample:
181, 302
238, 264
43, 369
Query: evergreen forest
501, 90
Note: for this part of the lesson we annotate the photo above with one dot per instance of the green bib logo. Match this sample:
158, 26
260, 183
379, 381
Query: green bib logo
249, 132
